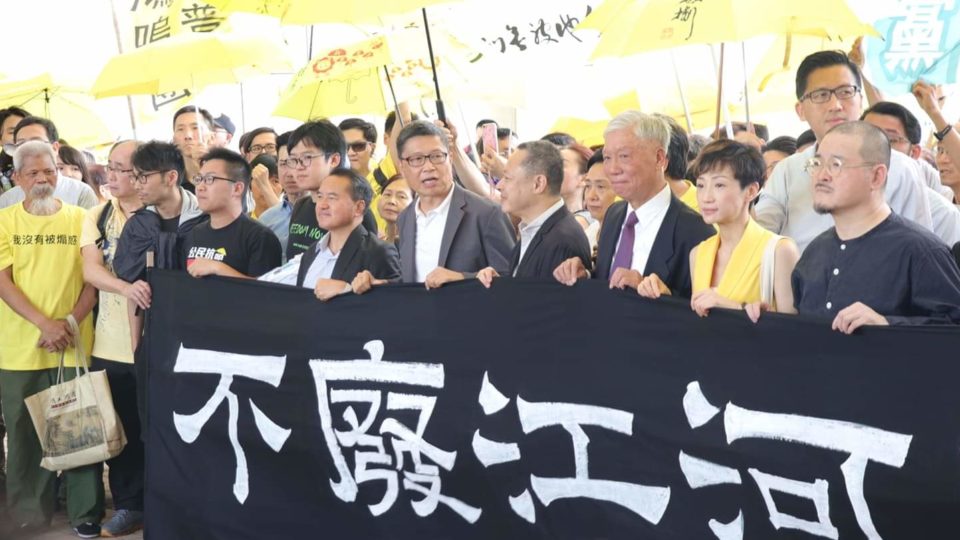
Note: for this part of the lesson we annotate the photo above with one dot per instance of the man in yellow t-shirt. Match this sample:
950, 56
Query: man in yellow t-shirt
42, 288
112, 348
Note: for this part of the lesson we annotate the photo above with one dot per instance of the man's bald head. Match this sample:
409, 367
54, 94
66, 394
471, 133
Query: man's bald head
874, 143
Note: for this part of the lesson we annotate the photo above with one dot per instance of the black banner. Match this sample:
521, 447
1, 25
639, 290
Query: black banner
533, 410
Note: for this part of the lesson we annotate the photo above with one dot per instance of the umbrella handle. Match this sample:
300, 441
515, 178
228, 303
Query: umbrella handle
433, 66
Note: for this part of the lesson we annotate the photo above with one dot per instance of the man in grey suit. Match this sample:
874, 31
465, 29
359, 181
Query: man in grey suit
448, 234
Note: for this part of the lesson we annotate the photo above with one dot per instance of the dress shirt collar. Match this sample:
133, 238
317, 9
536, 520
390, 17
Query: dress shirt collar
442, 209
542, 218
652, 208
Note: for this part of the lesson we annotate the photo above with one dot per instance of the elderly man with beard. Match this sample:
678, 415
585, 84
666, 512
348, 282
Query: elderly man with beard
44, 299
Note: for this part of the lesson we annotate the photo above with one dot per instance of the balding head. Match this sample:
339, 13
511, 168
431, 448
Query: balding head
874, 143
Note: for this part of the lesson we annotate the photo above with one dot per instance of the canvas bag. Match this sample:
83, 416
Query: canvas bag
75, 420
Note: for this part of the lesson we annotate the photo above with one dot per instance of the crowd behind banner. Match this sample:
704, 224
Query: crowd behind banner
852, 222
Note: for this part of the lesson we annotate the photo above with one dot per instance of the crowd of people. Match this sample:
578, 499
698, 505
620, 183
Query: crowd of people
852, 222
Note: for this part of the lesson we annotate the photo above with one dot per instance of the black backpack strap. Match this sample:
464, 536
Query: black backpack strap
102, 223
381, 179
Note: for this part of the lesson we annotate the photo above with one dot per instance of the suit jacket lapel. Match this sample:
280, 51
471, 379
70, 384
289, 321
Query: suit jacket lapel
349, 250
306, 261
613, 224
544, 230
454, 215
408, 242
662, 250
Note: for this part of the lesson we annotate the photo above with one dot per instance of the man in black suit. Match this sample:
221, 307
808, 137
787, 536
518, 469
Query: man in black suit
448, 233
650, 231
549, 234
330, 265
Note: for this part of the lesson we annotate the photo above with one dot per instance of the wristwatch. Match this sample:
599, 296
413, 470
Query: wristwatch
943, 132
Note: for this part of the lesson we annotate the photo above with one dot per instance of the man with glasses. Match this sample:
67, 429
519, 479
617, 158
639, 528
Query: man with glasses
170, 212
448, 234
231, 244
828, 93
873, 267
316, 148
361, 137
262, 140
44, 311
112, 351
277, 217
903, 131
68, 190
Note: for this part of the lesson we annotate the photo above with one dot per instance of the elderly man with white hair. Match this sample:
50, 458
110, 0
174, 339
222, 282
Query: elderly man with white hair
44, 304
650, 231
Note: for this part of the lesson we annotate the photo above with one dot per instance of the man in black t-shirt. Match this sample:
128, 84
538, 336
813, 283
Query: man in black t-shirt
231, 244
316, 148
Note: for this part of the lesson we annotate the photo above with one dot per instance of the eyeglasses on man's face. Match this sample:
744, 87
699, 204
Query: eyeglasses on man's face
261, 148
822, 95
141, 177
436, 158
209, 178
358, 146
303, 161
834, 165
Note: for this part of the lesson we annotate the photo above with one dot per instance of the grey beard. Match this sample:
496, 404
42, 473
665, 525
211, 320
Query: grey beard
42, 202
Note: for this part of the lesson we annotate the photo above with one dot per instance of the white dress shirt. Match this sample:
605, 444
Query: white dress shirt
322, 267
529, 230
946, 217
786, 202
430, 227
649, 218
68, 190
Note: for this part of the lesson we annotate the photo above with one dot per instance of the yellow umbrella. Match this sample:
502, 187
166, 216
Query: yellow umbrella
193, 61
348, 80
668, 23
69, 107
314, 11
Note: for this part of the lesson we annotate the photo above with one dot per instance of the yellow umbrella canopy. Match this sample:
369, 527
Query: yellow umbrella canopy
192, 61
632, 26
70, 108
313, 11
350, 79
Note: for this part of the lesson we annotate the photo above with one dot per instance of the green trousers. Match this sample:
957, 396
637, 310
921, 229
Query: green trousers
30, 488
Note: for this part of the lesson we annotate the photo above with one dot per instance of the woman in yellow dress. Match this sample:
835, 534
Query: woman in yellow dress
743, 263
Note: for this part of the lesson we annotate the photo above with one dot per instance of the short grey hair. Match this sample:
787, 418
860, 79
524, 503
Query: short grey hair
643, 126
33, 149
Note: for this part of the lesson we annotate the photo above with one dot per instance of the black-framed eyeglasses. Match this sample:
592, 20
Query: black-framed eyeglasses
261, 148
822, 95
118, 170
209, 178
304, 160
358, 146
436, 158
141, 177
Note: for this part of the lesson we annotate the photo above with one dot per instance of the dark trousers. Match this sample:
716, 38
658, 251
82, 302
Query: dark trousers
30, 488
125, 470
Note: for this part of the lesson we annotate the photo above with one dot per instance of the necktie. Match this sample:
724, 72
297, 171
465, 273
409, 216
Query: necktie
624, 256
